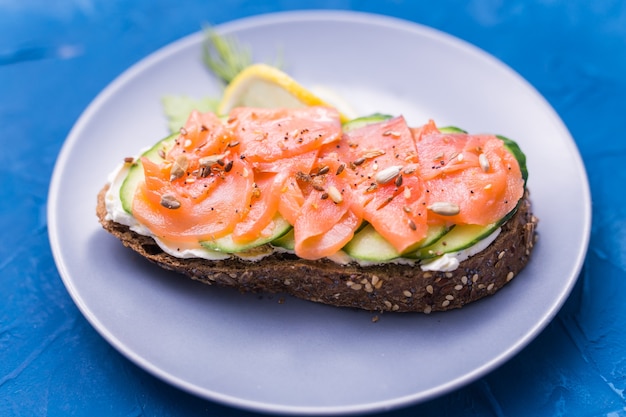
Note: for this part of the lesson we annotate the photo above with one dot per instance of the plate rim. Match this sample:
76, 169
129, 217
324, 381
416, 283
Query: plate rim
268, 19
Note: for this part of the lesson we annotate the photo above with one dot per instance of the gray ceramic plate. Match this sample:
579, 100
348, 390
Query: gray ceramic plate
253, 352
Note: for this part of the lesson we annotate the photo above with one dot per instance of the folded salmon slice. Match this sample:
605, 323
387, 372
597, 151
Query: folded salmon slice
268, 135
235, 177
383, 160
474, 173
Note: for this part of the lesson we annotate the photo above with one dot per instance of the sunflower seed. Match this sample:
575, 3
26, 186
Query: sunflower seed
335, 194
207, 161
373, 154
170, 202
179, 167
387, 174
444, 208
409, 170
393, 133
484, 162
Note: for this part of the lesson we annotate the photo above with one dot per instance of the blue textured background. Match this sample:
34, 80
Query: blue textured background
55, 56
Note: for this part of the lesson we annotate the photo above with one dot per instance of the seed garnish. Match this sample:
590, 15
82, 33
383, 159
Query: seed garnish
387, 174
484, 162
409, 170
334, 194
393, 133
170, 202
323, 170
340, 169
179, 167
210, 160
372, 187
398, 181
129, 160
359, 161
444, 208
373, 154
412, 225
228, 166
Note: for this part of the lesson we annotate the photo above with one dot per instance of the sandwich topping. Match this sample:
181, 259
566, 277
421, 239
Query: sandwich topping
371, 190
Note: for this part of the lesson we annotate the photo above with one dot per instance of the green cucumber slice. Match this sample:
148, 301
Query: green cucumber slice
460, 237
364, 121
286, 241
227, 245
451, 129
516, 151
135, 173
369, 245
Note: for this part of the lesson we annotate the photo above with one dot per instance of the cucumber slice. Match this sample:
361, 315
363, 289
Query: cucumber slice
460, 237
364, 121
286, 241
516, 151
135, 173
369, 245
451, 129
227, 245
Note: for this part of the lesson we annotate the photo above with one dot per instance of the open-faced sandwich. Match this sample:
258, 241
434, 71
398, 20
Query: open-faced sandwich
369, 213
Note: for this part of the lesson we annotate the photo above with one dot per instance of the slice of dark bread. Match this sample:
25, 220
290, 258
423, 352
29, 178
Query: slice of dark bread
388, 287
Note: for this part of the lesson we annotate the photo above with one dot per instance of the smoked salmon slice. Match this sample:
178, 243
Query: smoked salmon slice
234, 177
383, 159
474, 173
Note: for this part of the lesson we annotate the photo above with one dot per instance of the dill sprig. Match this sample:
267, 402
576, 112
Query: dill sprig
224, 56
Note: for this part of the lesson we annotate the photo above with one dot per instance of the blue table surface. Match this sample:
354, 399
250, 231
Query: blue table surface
55, 56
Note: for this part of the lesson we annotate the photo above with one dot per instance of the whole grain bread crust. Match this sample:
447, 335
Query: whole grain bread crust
387, 287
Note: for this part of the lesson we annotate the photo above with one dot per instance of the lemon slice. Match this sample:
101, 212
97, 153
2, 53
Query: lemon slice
261, 85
